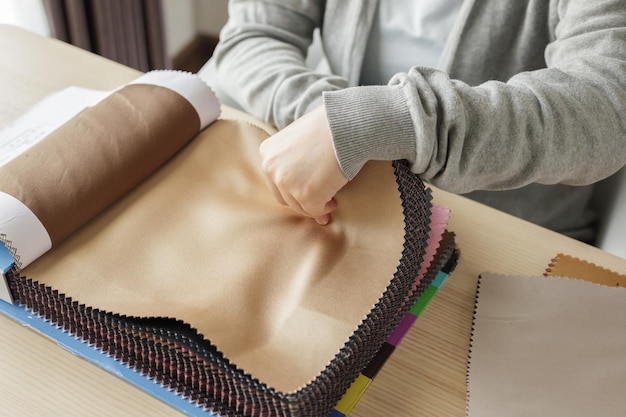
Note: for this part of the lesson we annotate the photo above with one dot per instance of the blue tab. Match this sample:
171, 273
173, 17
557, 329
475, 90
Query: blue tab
6, 259
439, 279
6, 264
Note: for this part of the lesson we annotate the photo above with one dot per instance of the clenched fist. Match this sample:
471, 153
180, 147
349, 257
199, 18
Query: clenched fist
301, 168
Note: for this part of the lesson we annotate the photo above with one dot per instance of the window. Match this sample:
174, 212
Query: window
28, 14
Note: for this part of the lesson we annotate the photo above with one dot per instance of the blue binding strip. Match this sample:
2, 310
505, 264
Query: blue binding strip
6, 264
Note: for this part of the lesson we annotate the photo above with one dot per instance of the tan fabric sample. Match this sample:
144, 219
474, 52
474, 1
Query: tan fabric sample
89, 162
203, 241
568, 266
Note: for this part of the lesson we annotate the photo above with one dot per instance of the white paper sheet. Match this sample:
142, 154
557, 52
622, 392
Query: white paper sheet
43, 118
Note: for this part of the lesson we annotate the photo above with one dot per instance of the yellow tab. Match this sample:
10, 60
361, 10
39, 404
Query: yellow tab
353, 394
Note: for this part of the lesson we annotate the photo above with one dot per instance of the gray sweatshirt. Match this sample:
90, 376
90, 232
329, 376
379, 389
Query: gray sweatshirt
529, 112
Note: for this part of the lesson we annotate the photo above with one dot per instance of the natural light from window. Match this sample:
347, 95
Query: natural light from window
28, 14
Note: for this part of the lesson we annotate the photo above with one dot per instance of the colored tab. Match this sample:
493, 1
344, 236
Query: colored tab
6, 264
378, 360
6, 259
403, 327
424, 299
439, 279
336, 413
353, 394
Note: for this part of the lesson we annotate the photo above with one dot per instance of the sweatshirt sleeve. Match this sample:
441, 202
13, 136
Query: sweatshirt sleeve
261, 59
562, 124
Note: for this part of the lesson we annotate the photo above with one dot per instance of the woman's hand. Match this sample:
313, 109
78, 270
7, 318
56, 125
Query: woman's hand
301, 168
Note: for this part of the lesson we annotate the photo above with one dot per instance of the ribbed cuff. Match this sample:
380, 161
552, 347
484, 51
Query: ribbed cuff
369, 123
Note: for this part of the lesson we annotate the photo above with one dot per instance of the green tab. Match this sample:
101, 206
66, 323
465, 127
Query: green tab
423, 300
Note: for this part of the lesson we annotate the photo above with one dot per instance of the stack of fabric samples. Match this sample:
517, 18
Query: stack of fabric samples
359, 386
194, 278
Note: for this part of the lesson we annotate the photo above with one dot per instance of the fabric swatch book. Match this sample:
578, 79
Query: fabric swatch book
140, 234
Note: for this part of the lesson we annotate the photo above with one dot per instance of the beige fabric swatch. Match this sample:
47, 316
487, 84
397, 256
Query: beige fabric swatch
203, 241
547, 346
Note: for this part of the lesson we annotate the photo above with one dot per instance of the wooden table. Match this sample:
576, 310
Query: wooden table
424, 377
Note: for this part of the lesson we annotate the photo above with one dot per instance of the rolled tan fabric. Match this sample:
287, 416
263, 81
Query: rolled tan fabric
94, 159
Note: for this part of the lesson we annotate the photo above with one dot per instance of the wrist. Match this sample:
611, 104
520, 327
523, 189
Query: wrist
369, 123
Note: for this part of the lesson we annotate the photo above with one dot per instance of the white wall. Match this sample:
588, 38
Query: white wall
185, 19
211, 15
179, 24
27, 14
612, 233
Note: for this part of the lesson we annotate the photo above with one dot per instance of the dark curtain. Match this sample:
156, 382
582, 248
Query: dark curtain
127, 31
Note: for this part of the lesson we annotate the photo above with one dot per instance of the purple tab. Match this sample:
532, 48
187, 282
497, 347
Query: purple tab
403, 327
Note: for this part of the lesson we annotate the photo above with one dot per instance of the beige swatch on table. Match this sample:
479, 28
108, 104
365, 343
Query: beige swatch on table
547, 346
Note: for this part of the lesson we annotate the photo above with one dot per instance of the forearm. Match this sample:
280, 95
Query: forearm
261, 59
563, 124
